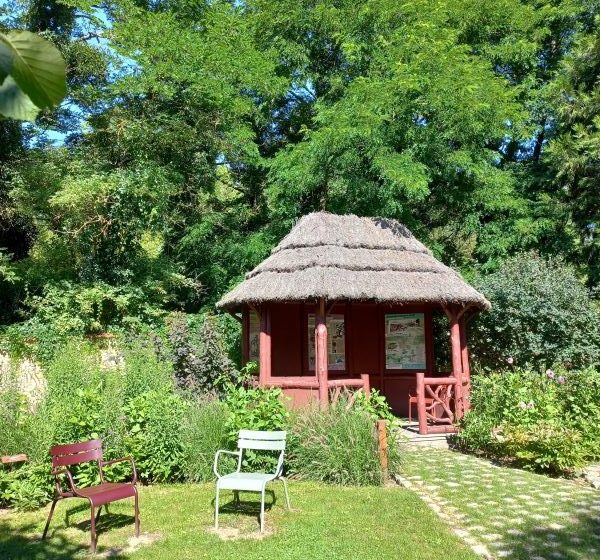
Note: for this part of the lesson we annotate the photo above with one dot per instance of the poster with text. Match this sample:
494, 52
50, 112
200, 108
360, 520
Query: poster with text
405, 341
336, 342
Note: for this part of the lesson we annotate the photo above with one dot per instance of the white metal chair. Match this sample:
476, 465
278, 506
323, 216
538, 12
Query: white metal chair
239, 481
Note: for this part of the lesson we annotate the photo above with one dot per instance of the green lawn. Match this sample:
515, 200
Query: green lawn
514, 513
326, 522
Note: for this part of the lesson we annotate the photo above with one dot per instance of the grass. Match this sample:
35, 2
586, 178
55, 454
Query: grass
514, 513
327, 522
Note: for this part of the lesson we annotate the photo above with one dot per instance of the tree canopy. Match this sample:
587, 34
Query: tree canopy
196, 132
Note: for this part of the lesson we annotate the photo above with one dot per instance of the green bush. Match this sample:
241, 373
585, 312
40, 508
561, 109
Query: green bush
544, 422
255, 408
337, 445
26, 487
542, 316
153, 435
375, 404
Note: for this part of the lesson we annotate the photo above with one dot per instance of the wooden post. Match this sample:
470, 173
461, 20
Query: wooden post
421, 409
245, 336
466, 369
265, 347
321, 365
383, 447
456, 364
366, 383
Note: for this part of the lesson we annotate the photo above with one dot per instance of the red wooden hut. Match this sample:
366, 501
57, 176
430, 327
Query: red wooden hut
345, 301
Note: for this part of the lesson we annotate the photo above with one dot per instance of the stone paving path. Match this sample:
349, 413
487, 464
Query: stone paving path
507, 513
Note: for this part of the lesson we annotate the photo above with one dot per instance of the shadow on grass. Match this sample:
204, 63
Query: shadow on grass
105, 522
26, 544
577, 537
250, 508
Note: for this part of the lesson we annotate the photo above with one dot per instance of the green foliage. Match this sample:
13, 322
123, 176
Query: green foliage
204, 431
541, 316
153, 425
545, 422
26, 487
337, 445
254, 408
375, 404
32, 75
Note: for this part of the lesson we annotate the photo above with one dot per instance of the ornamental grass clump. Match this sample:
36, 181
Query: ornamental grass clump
336, 445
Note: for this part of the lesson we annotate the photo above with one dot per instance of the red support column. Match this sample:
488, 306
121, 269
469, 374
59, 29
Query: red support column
321, 365
457, 368
265, 347
421, 410
464, 351
245, 336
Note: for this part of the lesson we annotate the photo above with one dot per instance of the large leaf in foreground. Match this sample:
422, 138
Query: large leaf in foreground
37, 67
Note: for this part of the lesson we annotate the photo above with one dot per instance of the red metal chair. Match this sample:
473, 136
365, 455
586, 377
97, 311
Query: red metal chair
64, 456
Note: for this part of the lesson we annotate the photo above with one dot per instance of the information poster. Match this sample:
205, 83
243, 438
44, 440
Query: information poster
405, 341
254, 337
336, 342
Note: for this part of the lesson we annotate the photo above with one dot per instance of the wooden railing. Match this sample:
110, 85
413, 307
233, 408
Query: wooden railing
299, 382
436, 404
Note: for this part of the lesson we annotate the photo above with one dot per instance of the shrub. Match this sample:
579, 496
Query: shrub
545, 422
374, 404
153, 435
255, 408
337, 445
541, 316
200, 360
26, 487
204, 431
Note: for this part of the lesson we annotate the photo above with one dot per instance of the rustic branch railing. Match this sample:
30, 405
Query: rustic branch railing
436, 404
299, 382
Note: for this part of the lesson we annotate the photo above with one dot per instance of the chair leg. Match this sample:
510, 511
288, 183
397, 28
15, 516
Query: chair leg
287, 496
49, 518
217, 509
98, 514
92, 530
236, 497
410, 411
262, 511
136, 513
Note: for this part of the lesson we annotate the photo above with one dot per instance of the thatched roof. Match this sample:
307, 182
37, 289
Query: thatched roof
350, 258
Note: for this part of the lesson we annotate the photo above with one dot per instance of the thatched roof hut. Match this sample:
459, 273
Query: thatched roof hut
353, 259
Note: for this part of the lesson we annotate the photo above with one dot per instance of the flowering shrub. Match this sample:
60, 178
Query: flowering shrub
541, 421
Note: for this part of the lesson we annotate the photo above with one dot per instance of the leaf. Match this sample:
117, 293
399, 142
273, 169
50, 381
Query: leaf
37, 67
6, 60
14, 103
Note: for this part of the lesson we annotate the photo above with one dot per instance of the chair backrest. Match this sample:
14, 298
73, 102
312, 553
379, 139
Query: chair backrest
76, 453
265, 441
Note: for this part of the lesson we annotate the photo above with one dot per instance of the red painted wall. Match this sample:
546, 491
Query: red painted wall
286, 339
364, 349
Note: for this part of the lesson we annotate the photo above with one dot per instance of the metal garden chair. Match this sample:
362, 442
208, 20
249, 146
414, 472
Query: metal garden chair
239, 481
64, 456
